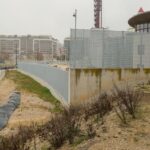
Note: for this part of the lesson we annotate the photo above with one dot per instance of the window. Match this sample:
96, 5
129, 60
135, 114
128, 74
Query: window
138, 27
145, 26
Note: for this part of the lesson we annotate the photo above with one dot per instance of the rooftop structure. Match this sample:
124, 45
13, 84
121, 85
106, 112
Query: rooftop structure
141, 21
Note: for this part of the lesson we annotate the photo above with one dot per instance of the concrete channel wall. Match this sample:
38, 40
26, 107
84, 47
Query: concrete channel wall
53, 78
88, 83
80, 85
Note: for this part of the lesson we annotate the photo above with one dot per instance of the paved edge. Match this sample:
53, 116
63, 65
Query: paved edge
43, 83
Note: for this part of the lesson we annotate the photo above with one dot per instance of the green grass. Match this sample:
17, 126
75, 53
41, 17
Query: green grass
79, 140
7, 65
28, 84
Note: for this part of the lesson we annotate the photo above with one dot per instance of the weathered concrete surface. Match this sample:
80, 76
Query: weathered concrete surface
84, 83
87, 83
53, 78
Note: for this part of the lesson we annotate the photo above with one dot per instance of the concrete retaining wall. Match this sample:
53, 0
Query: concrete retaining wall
84, 83
87, 83
80, 85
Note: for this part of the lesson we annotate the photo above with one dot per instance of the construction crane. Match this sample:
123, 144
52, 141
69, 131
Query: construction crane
98, 13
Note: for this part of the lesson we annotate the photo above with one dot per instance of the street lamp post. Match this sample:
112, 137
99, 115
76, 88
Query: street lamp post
75, 16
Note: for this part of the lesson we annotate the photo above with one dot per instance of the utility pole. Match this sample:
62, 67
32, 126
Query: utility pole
75, 16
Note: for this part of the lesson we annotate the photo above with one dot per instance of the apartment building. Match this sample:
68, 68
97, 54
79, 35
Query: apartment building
29, 45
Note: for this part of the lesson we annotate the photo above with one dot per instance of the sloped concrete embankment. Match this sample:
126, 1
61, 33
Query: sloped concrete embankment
55, 79
7, 109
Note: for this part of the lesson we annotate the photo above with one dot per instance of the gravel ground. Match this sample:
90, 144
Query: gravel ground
114, 136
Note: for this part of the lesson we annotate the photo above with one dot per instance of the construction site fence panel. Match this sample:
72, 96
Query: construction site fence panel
100, 48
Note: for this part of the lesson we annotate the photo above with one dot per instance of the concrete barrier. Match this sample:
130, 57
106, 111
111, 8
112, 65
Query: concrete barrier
88, 83
53, 78
80, 85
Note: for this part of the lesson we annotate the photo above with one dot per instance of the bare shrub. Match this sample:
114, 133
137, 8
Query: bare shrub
62, 127
99, 107
57, 132
120, 111
17, 141
72, 117
127, 101
90, 131
148, 82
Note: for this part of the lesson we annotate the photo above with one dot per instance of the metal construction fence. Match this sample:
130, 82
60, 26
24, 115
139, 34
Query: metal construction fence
55, 78
99, 48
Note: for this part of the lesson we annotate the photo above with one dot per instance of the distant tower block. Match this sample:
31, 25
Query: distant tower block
98, 13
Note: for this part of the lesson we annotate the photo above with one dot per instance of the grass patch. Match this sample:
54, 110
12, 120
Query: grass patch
28, 84
79, 140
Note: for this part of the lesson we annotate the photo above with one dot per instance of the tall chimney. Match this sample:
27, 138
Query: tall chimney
98, 13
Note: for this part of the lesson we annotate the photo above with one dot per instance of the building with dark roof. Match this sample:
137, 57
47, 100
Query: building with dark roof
141, 21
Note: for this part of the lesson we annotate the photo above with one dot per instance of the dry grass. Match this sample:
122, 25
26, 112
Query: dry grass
26, 83
135, 136
30, 110
113, 135
6, 87
73, 130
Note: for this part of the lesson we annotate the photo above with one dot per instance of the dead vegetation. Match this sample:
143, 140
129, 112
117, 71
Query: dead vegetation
62, 128
127, 100
79, 124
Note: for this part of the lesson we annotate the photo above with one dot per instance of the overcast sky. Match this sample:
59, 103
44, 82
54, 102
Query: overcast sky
54, 17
